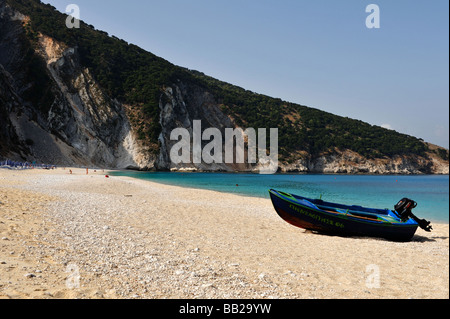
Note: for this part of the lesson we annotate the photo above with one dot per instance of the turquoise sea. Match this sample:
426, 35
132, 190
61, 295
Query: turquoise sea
431, 192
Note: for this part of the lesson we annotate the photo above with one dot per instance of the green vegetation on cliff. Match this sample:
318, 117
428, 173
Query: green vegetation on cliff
136, 77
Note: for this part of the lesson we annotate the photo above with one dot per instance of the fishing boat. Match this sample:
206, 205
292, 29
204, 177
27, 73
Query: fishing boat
399, 224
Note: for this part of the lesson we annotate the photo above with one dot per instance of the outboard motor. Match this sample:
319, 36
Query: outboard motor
404, 209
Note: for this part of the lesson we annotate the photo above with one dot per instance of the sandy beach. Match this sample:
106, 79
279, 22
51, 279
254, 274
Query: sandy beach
87, 236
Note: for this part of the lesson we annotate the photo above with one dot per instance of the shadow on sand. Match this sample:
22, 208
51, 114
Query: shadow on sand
416, 238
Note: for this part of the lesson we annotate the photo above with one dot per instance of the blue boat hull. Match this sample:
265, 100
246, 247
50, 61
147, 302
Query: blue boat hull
341, 219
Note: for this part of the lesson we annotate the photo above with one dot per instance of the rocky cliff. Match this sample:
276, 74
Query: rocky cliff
82, 126
53, 110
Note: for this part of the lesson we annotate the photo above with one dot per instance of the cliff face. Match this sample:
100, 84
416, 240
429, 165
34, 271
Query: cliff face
53, 110
348, 162
79, 125
9, 99
84, 126
180, 105
9, 141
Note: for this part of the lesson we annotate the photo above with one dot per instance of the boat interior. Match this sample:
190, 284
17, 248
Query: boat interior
348, 210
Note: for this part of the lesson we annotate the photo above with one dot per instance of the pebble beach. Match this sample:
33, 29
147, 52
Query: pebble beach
87, 236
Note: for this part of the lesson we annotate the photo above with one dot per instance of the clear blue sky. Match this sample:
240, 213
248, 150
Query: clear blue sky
316, 53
